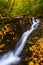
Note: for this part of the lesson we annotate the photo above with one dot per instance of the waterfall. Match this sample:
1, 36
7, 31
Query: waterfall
13, 57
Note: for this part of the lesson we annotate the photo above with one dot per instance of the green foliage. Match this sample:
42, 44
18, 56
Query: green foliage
4, 7
19, 7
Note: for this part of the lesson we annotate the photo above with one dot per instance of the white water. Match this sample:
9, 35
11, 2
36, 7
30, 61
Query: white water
14, 58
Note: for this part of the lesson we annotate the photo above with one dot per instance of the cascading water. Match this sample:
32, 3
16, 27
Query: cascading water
13, 57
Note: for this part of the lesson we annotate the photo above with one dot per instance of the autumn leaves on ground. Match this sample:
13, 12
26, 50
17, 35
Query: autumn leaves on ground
33, 51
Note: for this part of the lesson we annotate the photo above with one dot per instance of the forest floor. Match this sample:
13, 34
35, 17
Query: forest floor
10, 34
